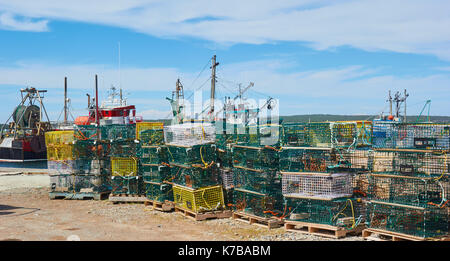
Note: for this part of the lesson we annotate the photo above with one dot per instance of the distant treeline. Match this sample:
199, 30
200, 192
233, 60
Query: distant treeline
331, 117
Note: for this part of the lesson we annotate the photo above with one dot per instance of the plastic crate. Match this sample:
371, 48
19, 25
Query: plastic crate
199, 200
124, 166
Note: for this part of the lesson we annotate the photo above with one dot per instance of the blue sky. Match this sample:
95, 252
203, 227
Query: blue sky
336, 57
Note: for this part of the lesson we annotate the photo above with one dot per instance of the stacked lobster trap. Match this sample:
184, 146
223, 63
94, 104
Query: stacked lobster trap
324, 172
194, 174
78, 164
256, 181
409, 182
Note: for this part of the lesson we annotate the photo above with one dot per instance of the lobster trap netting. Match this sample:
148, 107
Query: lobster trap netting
158, 191
261, 181
348, 212
194, 177
61, 167
91, 149
189, 134
254, 157
149, 154
262, 135
152, 137
93, 166
396, 135
142, 127
422, 192
89, 132
80, 183
317, 185
124, 166
119, 132
258, 204
360, 184
294, 134
411, 163
131, 185
59, 137
60, 152
415, 221
224, 158
297, 159
155, 173
123, 149
226, 174
202, 155
199, 200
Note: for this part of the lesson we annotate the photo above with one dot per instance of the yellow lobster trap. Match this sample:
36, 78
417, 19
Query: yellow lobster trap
60, 152
199, 200
59, 137
124, 166
142, 126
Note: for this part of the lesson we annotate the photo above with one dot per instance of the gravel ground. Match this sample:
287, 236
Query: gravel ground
28, 214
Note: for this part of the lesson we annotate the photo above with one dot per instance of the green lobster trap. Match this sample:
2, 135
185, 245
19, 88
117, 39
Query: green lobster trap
395, 135
410, 220
61, 167
91, 149
254, 157
421, 192
258, 204
152, 137
150, 154
306, 159
89, 133
92, 166
77, 183
294, 134
130, 185
262, 181
348, 212
224, 158
194, 177
203, 154
417, 163
119, 132
199, 200
158, 191
155, 172
123, 149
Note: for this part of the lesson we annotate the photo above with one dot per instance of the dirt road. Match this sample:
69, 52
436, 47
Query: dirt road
28, 214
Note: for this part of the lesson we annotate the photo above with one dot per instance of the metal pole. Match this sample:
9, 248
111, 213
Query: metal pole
96, 101
213, 84
65, 100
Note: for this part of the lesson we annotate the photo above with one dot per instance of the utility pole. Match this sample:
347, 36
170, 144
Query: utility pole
97, 118
390, 103
213, 84
406, 96
65, 100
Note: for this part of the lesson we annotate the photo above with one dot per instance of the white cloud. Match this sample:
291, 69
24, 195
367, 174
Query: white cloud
9, 22
412, 26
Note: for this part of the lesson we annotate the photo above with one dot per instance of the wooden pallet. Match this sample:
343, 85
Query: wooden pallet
383, 235
166, 206
321, 229
259, 221
204, 215
126, 198
78, 195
